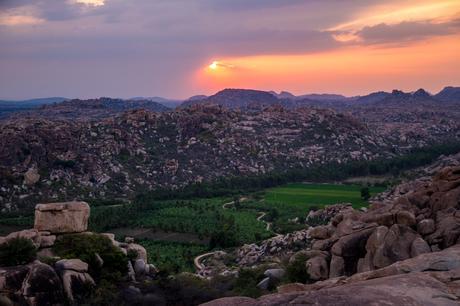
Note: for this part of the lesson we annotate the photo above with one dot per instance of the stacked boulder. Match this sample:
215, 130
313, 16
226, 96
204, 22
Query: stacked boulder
38, 283
417, 221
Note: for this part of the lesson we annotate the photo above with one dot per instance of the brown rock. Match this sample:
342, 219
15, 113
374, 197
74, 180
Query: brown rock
232, 301
447, 230
426, 227
68, 217
317, 268
140, 250
337, 267
419, 246
31, 177
320, 232
405, 218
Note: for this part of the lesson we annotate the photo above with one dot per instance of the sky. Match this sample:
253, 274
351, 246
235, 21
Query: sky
180, 48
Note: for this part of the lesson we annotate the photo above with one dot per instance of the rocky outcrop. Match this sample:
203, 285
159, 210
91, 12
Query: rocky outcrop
74, 276
404, 247
65, 280
428, 279
33, 284
59, 218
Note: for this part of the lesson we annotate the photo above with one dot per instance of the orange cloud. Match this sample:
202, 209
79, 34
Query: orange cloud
19, 20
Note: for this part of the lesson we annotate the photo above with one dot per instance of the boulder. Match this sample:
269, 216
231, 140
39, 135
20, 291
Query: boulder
68, 217
317, 268
264, 284
140, 267
232, 301
139, 249
276, 274
31, 177
447, 229
47, 241
426, 227
428, 279
405, 218
33, 284
30, 234
419, 246
71, 264
337, 267
320, 232
76, 283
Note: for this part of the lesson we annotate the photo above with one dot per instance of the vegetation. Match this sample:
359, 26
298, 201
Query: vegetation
17, 251
365, 193
172, 257
296, 271
86, 247
323, 173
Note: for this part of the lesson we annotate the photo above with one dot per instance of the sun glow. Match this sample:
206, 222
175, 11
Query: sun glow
214, 65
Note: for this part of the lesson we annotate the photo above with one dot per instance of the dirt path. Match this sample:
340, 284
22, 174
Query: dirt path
197, 261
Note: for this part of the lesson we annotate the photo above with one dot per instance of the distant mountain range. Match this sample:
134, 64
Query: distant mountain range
7, 106
252, 99
234, 99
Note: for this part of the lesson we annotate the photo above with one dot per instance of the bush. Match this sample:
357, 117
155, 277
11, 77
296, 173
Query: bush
132, 254
246, 283
296, 271
17, 251
86, 246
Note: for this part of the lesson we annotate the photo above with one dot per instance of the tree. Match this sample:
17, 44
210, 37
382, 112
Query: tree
365, 194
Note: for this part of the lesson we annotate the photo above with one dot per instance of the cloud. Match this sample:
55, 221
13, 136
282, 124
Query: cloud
19, 20
91, 2
406, 31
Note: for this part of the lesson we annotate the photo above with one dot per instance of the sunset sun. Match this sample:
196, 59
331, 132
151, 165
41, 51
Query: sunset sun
214, 65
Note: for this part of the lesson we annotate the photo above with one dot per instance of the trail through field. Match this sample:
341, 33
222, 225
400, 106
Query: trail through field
198, 260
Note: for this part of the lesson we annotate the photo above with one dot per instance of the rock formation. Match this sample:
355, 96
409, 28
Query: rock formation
405, 247
38, 283
59, 218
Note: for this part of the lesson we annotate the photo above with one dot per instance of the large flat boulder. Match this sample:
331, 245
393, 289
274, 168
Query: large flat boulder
58, 218
429, 279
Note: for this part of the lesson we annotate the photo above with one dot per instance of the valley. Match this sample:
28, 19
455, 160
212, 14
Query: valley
210, 211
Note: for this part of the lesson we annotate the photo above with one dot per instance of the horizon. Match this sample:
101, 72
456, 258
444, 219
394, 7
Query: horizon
114, 48
269, 91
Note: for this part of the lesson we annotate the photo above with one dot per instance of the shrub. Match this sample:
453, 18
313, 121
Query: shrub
296, 271
246, 283
17, 251
132, 254
85, 247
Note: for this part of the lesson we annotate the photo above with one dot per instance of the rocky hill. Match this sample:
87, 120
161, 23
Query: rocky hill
93, 109
42, 159
449, 94
256, 99
405, 249
237, 98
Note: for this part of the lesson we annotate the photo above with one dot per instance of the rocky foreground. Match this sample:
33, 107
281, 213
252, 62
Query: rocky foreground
52, 280
404, 250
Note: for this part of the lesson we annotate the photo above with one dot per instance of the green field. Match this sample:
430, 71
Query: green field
295, 200
305, 195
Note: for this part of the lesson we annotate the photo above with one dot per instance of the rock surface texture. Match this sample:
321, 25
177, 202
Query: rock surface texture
59, 218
